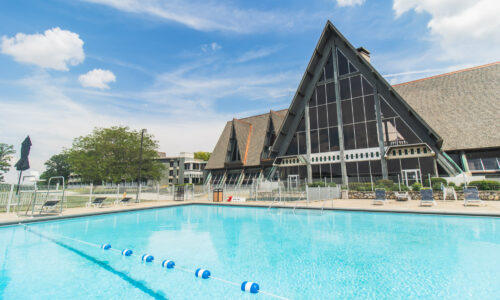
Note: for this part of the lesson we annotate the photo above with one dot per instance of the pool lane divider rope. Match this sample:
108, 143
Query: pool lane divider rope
245, 286
138, 284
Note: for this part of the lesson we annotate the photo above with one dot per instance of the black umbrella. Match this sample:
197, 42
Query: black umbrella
23, 163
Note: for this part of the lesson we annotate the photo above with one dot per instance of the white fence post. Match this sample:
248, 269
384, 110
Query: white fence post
307, 193
117, 193
10, 197
140, 190
158, 191
90, 193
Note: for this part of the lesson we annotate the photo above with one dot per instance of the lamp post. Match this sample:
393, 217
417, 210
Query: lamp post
140, 167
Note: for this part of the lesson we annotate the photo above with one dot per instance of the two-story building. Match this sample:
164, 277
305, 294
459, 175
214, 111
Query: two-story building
183, 168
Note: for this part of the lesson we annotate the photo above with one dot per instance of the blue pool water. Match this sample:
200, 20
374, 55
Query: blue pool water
306, 255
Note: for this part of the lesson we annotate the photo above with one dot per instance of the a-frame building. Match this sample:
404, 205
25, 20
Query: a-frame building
345, 121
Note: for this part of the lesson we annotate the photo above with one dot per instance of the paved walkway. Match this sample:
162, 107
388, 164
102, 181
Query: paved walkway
491, 208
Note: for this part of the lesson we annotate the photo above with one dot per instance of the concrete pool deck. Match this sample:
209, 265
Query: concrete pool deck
491, 208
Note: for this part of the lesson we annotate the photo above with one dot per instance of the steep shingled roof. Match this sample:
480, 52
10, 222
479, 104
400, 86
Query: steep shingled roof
250, 134
462, 106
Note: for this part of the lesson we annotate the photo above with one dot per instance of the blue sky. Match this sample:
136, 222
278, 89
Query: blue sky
181, 69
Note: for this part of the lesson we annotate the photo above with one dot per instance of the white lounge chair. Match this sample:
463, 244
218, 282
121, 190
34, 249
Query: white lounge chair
402, 196
239, 199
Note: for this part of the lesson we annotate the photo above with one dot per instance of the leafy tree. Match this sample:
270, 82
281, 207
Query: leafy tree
112, 155
202, 155
6, 152
57, 165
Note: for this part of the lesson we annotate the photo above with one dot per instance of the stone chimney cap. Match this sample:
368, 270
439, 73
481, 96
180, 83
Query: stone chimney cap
363, 50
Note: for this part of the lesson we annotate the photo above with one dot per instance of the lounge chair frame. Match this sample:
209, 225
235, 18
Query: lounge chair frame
471, 196
97, 202
380, 197
427, 197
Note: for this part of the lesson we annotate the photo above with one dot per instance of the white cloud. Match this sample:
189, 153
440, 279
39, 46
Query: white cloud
211, 15
350, 2
463, 29
97, 78
54, 49
212, 47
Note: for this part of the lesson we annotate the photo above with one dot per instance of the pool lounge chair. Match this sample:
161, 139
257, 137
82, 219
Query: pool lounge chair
402, 196
380, 197
97, 202
471, 196
427, 197
47, 204
124, 200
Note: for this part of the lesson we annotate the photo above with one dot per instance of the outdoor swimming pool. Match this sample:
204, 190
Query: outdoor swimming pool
303, 255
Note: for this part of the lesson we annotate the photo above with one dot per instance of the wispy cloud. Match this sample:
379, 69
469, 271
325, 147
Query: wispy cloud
212, 47
350, 2
55, 114
257, 53
211, 15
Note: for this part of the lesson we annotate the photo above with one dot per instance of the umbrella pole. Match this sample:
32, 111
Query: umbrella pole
19, 182
17, 190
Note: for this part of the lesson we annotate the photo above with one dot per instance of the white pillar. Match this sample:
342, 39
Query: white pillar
117, 193
90, 193
10, 197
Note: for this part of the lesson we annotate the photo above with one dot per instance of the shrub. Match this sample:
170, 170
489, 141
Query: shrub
486, 185
436, 186
317, 184
360, 186
395, 188
416, 186
434, 181
332, 184
384, 183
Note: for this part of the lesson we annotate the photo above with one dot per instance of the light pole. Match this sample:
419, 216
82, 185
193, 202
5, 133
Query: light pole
140, 167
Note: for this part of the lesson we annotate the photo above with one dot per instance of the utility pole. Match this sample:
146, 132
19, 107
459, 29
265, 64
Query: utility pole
140, 167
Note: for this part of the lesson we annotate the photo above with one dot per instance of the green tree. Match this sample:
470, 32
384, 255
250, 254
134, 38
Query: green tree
6, 152
202, 155
57, 165
112, 155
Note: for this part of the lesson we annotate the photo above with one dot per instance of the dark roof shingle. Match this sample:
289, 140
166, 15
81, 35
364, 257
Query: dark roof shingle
463, 107
250, 134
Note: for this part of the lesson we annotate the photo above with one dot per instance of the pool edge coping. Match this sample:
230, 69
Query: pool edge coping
97, 213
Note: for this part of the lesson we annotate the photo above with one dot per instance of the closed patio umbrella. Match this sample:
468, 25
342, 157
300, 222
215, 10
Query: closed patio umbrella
23, 163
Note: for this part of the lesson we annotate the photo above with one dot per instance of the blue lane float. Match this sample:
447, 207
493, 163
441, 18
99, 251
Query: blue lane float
147, 258
202, 273
168, 264
251, 287
127, 252
105, 246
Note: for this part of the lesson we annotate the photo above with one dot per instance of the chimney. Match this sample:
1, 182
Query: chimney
364, 53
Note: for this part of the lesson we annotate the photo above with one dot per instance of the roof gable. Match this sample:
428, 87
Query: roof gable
250, 133
243, 131
331, 39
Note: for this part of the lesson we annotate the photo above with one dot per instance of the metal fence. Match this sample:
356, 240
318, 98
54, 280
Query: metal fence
291, 190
